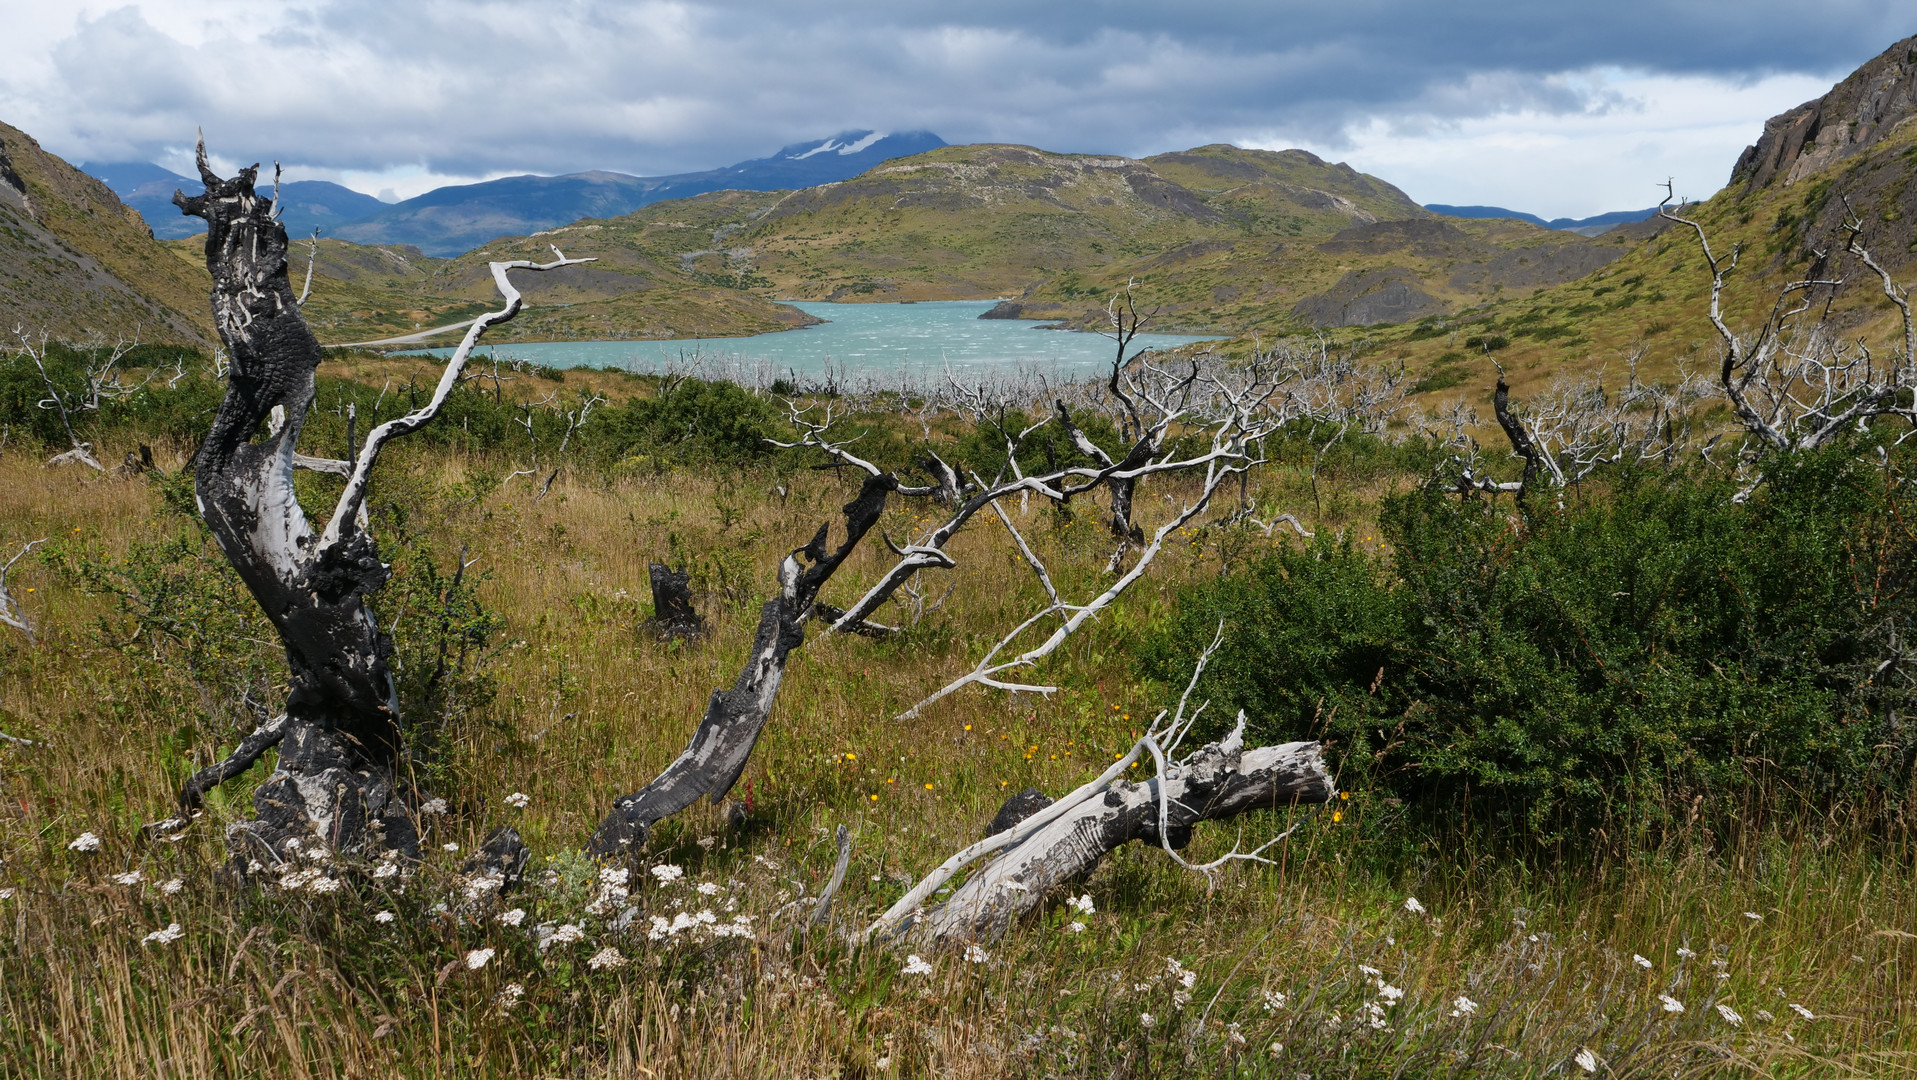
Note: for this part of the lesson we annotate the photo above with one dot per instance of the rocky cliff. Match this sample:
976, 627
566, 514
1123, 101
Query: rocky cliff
1858, 113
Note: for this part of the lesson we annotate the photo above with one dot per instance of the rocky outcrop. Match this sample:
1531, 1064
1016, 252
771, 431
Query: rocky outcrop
1367, 297
1858, 113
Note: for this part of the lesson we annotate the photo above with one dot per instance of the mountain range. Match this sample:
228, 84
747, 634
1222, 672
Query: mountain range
458, 218
1589, 226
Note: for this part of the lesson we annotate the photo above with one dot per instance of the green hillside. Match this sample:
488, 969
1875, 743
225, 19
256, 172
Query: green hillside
77, 263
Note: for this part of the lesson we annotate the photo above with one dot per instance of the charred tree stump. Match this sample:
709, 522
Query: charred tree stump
340, 735
717, 754
673, 615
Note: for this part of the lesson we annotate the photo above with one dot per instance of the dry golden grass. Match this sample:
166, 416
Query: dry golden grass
280, 982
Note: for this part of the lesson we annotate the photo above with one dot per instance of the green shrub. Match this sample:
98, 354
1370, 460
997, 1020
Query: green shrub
1618, 658
694, 420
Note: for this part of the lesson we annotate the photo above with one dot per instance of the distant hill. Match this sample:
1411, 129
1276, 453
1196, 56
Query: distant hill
76, 262
1590, 226
305, 204
451, 220
1852, 151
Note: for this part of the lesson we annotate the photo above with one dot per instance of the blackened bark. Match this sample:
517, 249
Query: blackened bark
340, 738
1520, 439
717, 754
672, 612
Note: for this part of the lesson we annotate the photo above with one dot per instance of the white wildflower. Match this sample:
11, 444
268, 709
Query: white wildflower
1233, 1032
1147, 1021
131, 877
615, 876
172, 886
1729, 1014
433, 806
1671, 1004
1464, 1006
975, 955
1391, 994
86, 841
383, 917
709, 888
668, 873
477, 959
168, 936
1586, 1059
1765, 1015
915, 966
385, 870
1374, 1015
1180, 999
509, 995
513, 917
707, 843
1685, 953
1081, 904
566, 934
1411, 904
518, 800
1274, 1000
1075, 928
706, 916
1802, 1011
320, 884
1753, 916
607, 957
1369, 971
1640, 961
883, 1063
449, 846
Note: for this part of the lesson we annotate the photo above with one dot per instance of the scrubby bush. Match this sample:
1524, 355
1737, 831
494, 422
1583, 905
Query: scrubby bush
693, 420
1618, 658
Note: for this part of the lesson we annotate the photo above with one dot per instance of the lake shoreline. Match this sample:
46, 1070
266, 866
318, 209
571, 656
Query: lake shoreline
926, 338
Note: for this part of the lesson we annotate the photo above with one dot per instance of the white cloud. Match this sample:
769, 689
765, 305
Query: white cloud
1575, 164
1548, 107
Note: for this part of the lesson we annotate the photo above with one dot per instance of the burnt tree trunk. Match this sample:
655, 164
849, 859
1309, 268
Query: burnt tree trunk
340, 735
713, 760
672, 612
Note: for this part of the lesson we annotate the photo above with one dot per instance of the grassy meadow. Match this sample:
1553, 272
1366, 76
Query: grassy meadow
1742, 940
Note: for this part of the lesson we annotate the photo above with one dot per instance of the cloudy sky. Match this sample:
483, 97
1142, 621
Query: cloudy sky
1559, 107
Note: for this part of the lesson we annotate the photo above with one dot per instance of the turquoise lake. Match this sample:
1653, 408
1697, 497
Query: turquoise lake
859, 341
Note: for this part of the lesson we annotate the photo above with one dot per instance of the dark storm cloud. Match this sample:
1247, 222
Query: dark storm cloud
472, 88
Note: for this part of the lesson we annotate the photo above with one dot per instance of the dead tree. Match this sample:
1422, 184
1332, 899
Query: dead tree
1794, 384
1039, 845
340, 735
713, 760
10, 611
673, 615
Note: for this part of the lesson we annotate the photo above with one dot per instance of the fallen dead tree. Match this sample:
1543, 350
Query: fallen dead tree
337, 782
1040, 845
